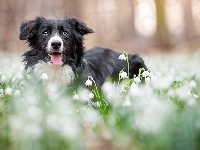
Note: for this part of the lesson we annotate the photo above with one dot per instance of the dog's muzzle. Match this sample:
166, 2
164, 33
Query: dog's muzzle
55, 49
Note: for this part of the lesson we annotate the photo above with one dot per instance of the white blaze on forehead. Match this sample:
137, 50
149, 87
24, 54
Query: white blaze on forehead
56, 38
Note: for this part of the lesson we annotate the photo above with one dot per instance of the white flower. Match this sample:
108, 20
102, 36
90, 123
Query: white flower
1, 92
145, 74
123, 90
191, 102
137, 80
88, 83
170, 93
75, 97
3, 78
44, 77
17, 93
83, 94
122, 57
153, 78
31, 129
16, 122
108, 88
22, 68
123, 75
110, 95
161, 83
134, 90
151, 118
127, 103
98, 104
147, 80
8, 91
91, 95
192, 84
150, 74
34, 112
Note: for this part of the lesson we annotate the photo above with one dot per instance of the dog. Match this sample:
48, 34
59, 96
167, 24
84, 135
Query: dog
57, 50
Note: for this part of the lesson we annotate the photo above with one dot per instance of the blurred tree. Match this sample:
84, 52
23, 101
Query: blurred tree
126, 18
189, 29
162, 34
11, 14
4, 23
60, 9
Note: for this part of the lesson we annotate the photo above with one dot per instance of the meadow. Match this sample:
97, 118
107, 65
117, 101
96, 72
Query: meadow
162, 112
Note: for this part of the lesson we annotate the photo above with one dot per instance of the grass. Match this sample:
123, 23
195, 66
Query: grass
161, 113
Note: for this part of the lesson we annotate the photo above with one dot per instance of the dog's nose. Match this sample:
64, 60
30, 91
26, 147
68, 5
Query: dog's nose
56, 44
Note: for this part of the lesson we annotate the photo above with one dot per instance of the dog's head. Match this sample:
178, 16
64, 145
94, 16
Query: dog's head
57, 40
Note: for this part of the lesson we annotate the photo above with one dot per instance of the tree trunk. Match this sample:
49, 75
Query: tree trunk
162, 34
189, 31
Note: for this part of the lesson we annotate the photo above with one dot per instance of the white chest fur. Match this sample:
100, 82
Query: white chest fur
63, 75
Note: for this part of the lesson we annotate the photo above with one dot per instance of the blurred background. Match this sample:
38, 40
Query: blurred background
134, 26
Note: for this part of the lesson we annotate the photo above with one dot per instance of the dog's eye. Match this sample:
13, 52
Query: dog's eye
65, 32
45, 33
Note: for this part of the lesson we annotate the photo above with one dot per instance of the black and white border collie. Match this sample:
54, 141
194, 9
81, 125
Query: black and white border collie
57, 50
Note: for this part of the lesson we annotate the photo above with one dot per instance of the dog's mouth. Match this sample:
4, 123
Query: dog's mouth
56, 58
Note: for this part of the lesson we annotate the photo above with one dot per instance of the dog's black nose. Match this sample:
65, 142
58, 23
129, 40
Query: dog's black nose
56, 44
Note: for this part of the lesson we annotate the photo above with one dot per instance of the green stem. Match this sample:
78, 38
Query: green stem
97, 93
127, 63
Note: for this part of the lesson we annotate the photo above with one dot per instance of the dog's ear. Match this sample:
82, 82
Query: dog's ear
27, 28
79, 26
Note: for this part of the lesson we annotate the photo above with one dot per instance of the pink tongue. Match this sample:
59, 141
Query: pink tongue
56, 59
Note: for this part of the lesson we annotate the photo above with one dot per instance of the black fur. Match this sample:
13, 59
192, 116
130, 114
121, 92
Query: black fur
100, 63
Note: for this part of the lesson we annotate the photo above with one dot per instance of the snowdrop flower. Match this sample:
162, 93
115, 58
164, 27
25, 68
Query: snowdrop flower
108, 88
147, 80
16, 122
122, 57
191, 102
170, 93
3, 78
192, 84
44, 77
31, 129
137, 80
8, 91
145, 74
1, 92
123, 90
88, 83
34, 112
91, 95
150, 74
123, 75
162, 83
153, 78
17, 93
110, 95
83, 94
19, 75
75, 97
127, 103
153, 116
22, 68
133, 90
98, 104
